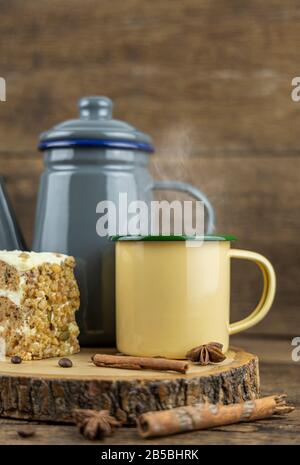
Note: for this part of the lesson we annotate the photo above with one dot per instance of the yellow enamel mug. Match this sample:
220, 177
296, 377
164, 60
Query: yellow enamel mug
173, 293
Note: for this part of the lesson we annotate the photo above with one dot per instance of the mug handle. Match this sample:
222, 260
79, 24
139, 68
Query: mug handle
268, 293
193, 192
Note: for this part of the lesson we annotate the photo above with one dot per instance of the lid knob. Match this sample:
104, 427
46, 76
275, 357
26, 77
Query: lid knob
95, 108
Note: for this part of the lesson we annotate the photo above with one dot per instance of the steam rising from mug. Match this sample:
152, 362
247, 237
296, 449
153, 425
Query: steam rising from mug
177, 146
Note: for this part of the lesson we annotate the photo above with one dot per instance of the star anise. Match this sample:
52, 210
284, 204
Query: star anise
95, 424
206, 354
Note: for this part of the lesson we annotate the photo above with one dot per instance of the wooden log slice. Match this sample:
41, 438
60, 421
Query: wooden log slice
41, 390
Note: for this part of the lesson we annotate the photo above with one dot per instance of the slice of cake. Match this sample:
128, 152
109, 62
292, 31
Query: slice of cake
38, 299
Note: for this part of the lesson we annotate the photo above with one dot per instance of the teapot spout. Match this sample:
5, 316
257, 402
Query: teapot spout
11, 237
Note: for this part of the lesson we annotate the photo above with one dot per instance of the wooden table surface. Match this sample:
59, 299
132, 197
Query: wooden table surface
278, 374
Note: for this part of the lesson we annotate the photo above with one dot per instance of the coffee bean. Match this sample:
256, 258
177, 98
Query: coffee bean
65, 363
16, 359
26, 432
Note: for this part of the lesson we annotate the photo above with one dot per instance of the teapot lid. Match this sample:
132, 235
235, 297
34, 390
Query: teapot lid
95, 127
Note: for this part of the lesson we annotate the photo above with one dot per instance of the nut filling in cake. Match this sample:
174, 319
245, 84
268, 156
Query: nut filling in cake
38, 299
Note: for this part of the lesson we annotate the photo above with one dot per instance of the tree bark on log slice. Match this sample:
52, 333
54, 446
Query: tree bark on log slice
41, 390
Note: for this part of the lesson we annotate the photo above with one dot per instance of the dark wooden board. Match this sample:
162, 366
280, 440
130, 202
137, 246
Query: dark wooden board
270, 431
222, 69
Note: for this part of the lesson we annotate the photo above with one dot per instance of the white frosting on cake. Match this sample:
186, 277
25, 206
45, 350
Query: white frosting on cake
14, 296
24, 261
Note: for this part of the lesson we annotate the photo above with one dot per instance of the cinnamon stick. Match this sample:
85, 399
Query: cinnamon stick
139, 363
203, 416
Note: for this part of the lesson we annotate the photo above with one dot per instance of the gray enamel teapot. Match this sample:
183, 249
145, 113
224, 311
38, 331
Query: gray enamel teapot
87, 160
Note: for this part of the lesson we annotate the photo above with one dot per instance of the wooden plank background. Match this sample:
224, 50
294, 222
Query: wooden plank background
210, 81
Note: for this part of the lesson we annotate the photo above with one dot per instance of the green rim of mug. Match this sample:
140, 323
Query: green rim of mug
206, 238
